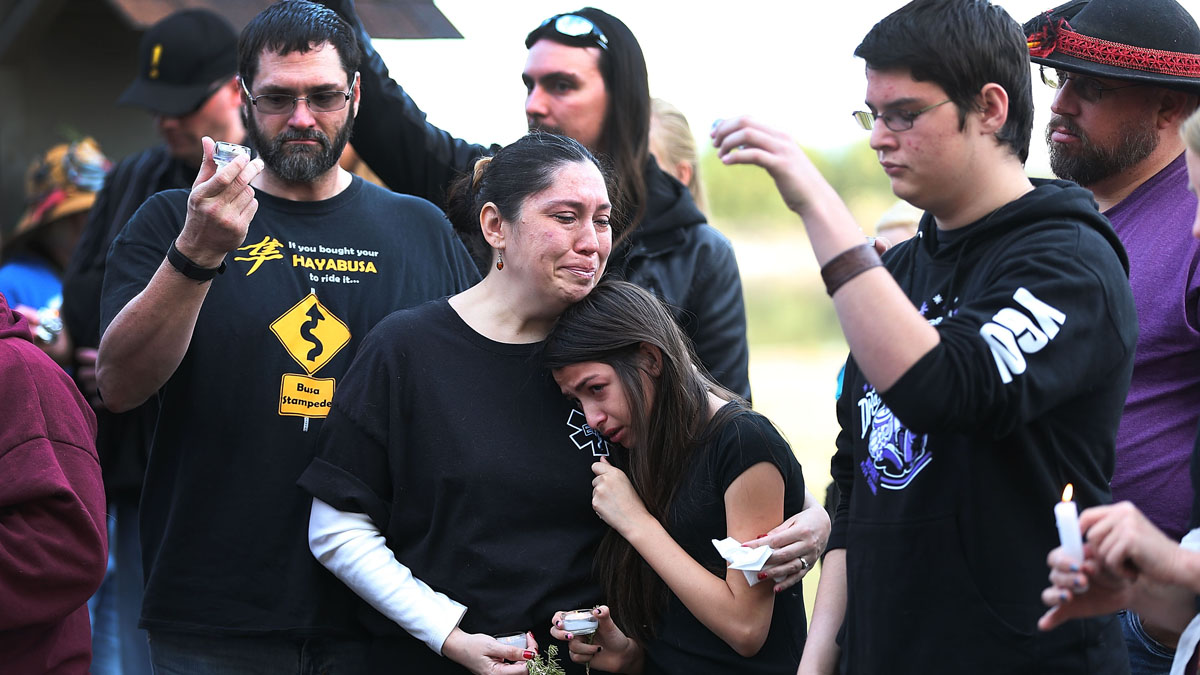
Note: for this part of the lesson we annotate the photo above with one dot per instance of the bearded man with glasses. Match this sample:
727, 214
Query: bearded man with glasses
186, 81
1127, 75
239, 307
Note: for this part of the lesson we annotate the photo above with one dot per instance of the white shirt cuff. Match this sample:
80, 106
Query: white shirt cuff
351, 546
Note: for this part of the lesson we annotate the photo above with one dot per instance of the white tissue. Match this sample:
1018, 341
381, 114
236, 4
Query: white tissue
748, 560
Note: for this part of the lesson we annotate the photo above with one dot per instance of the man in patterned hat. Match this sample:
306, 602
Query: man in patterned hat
1127, 75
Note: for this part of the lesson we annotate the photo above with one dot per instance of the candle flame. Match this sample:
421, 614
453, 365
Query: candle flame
1068, 492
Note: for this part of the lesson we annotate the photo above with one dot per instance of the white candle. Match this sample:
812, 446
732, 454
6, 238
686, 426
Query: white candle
580, 622
513, 640
1066, 517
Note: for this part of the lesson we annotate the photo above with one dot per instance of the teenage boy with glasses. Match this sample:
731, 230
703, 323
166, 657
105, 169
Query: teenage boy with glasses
1127, 75
239, 307
989, 360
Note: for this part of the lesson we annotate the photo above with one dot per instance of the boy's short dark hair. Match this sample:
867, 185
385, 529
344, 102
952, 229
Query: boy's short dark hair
296, 26
959, 45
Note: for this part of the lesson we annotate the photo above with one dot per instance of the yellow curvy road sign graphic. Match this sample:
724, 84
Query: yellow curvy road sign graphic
311, 333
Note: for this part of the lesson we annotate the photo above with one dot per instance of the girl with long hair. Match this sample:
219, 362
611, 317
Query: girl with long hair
692, 464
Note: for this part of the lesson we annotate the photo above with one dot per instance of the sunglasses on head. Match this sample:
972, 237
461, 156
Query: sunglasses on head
572, 26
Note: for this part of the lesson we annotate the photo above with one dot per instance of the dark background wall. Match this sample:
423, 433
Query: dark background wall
63, 63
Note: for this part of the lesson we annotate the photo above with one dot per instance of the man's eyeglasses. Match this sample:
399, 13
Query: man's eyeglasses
1086, 88
572, 26
283, 104
896, 120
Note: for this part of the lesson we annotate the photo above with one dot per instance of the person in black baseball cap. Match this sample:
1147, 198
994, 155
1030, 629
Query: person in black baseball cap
186, 78
1127, 75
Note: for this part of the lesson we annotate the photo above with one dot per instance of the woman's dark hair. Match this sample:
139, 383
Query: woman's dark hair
960, 45
296, 26
625, 140
522, 168
610, 326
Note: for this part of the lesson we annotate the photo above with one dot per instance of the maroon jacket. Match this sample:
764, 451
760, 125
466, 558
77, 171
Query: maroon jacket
53, 542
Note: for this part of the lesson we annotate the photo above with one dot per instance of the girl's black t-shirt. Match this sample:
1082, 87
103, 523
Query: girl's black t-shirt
682, 644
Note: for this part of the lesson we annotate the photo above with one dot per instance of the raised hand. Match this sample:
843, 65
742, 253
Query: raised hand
615, 500
219, 209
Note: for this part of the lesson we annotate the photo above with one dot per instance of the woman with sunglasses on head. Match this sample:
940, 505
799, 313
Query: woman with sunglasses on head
694, 465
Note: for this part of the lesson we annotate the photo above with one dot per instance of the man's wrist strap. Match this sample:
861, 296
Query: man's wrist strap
190, 269
847, 265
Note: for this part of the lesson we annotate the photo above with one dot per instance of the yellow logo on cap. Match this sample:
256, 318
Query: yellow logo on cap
155, 55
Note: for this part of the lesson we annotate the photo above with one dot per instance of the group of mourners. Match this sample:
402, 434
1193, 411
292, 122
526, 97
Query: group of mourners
391, 437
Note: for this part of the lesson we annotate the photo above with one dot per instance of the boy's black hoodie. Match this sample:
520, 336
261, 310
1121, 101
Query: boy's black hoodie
949, 478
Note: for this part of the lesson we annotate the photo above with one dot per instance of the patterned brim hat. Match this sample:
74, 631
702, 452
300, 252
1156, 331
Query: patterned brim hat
1152, 41
62, 182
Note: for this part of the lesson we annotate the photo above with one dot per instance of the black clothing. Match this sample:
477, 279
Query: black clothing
673, 252
240, 415
123, 440
466, 455
682, 644
949, 478
1195, 477
690, 266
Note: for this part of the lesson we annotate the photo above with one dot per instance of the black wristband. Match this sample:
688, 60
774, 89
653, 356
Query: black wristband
847, 265
190, 269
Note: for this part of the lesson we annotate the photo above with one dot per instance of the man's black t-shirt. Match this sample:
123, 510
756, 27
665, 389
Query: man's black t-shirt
224, 526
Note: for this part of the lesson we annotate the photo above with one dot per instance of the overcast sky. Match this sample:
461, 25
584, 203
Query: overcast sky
788, 62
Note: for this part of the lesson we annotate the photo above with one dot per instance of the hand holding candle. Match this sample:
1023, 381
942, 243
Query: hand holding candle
1066, 517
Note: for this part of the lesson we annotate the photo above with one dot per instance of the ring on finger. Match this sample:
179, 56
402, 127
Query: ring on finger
803, 563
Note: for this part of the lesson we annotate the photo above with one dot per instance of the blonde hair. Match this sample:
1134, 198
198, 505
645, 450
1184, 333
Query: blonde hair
900, 216
670, 132
1191, 132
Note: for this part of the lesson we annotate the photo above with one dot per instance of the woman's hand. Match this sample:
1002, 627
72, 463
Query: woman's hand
1082, 590
1127, 543
607, 649
484, 655
615, 500
798, 543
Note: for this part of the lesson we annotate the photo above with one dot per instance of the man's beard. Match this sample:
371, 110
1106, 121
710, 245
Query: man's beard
299, 163
1090, 163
